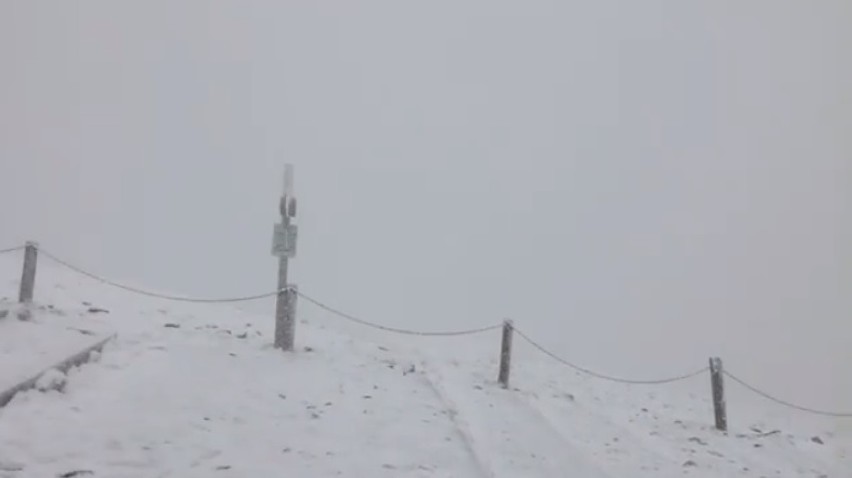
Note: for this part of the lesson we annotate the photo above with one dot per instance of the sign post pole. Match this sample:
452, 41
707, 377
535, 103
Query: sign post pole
284, 247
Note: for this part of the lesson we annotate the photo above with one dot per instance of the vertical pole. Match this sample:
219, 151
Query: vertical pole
293, 295
718, 386
284, 306
505, 354
283, 327
28, 276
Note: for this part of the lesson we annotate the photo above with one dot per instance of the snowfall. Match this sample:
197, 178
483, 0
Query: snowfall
186, 390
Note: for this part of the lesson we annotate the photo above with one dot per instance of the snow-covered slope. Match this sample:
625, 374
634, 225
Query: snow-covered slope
192, 390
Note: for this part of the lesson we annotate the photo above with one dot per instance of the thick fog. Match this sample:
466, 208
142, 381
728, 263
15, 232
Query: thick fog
640, 184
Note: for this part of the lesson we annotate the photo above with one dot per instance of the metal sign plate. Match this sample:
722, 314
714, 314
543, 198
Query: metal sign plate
284, 240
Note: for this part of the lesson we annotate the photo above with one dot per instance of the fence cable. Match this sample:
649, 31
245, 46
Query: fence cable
586, 371
316, 302
11, 249
157, 295
385, 328
784, 402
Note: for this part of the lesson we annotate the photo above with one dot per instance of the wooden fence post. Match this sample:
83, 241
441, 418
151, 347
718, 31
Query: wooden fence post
718, 386
505, 354
28, 276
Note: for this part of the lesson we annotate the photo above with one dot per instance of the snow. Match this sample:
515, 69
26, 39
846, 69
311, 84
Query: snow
53, 379
196, 391
50, 335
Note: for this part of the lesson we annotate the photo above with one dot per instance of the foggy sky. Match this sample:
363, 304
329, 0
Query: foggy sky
641, 184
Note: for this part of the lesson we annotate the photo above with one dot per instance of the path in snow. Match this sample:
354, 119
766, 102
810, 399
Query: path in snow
562, 424
194, 400
512, 438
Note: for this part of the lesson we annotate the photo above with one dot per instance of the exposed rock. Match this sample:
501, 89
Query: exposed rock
75, 473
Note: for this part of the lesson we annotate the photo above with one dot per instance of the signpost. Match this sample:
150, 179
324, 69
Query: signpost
284, 247
284, 240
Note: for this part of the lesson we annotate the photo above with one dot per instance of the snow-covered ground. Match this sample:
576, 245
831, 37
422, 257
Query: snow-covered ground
190, 390
48, 337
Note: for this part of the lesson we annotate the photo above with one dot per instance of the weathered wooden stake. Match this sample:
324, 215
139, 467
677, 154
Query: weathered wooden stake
505, 354
28, 276
718, 386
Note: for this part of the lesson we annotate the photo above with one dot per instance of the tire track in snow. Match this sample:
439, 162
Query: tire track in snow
462, 428
510, 433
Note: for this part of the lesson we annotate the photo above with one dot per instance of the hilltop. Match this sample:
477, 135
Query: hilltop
196, 390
